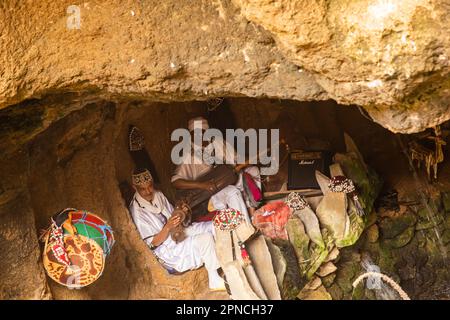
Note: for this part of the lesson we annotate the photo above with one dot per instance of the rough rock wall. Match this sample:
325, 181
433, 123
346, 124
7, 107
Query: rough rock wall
22, 275
170, 50
79, 162
389, 56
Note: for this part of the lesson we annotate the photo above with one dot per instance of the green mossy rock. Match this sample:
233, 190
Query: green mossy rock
292, 282
335, 292
424, 224
345, 275
402, 239
423, 213
392, 227
369, 294
447, 222
310, 256
372, 233
433, 208
320, 293
445, 196
387, 259
329, 280
359, 293
446, 237
372, 218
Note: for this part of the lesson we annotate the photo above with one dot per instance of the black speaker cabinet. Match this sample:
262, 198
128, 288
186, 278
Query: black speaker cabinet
303, 165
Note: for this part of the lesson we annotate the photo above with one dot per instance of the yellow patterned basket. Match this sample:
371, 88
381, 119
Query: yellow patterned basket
76, 246
86, 262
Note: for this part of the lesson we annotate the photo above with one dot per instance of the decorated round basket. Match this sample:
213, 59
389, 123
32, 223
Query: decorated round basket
76, 245
93, 227
86, 262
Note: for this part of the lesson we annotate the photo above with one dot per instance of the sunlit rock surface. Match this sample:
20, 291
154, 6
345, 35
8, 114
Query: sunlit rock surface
169, 50
391, 57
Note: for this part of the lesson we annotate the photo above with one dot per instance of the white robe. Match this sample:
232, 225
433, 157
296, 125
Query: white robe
189, 254
230, 196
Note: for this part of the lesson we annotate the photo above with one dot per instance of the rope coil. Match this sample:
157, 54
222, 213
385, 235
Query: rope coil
387, 279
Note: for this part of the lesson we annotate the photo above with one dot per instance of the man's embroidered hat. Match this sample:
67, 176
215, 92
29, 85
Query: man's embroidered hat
142, 177
198, 122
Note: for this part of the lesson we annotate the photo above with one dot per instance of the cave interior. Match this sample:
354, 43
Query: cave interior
81, 159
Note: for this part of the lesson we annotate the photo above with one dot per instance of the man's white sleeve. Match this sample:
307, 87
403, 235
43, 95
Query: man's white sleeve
181, 172
146, 228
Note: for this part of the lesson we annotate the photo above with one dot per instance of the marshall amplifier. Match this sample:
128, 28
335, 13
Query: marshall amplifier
302, 167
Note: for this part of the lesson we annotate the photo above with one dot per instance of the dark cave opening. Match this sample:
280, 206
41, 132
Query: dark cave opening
80, 160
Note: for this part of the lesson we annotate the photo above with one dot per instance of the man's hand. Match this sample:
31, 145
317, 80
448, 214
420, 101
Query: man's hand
173, 222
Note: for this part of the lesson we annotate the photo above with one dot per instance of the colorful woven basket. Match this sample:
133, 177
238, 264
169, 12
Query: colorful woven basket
76, 246
86, 262
93, 227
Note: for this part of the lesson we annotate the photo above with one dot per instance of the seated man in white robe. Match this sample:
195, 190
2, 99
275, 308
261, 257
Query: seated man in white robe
188, 172
152, 214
